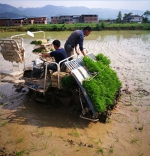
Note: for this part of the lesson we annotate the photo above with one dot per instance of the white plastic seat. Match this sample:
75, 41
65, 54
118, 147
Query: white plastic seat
12, 52
19, 41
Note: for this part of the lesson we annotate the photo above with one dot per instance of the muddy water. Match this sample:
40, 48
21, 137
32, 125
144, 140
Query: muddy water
33, 128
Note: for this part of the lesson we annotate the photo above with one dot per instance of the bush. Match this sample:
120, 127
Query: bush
68, 27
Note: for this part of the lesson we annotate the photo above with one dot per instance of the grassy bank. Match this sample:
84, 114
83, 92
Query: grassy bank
71, 27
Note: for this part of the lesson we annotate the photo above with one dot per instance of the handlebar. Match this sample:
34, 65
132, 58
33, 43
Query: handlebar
42, 59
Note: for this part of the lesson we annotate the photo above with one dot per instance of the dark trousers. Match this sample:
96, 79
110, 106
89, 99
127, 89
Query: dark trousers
52, 67
69, 49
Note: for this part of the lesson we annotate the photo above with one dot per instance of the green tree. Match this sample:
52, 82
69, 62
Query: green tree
119, 17
145, 16
103, 25
146, 13
145, 20
127, 15
98, 27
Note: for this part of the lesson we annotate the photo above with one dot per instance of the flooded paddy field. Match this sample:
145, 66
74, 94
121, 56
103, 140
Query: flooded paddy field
31, 128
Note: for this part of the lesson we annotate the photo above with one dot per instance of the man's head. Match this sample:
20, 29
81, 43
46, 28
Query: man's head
56, 44
87, 30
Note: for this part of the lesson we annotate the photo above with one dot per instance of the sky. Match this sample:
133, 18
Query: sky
111, 4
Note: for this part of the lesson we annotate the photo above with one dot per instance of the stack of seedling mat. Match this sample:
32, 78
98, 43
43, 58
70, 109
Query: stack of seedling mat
99, 83
42, 45
102, 88
56, 78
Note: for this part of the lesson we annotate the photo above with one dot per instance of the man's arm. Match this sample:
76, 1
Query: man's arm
82, 51
76, 50
45, 55
81, 39
84, 54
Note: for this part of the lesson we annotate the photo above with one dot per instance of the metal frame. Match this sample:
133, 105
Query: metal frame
80, 73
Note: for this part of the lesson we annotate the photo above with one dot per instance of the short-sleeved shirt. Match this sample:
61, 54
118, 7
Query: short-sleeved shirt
77, 37
59, 54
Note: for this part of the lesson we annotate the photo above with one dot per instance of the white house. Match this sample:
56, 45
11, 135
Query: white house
133, 18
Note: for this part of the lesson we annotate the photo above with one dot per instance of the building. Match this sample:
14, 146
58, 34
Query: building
35, 20
89, 18
133, 18
74, 19
69, 19
21, 21
11, 21
65, 19
55, 19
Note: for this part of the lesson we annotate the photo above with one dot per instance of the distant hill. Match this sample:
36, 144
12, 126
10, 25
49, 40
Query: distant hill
11, 15
8, 11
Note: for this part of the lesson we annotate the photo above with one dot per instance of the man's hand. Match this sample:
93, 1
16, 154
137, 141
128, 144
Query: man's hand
45, 55
77, 53
84, 54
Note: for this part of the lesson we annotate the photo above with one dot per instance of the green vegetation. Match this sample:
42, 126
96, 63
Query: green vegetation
74, 133
103, 86
119, 17
38, 50
67, 82
36, 42
145, 16
70, 27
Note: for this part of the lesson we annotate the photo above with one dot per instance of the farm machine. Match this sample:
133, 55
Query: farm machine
79, 75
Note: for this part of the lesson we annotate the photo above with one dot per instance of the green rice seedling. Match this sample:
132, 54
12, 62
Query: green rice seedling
131, 130
54, 151
37, 129
130, 98
67, 81
139, 154
44, 145
134, 140
60, 136
141, 94
50, 134
79, 149
9, 142
135, 109
138, 120
100, 150
141, 128
4, 124
19, 140
103, 59
34, 147
76, 126
130, 103
42, 132
20, 153
74, 133
98, 142
111, 149
147, 108
102, 88
109, 120
36, 42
